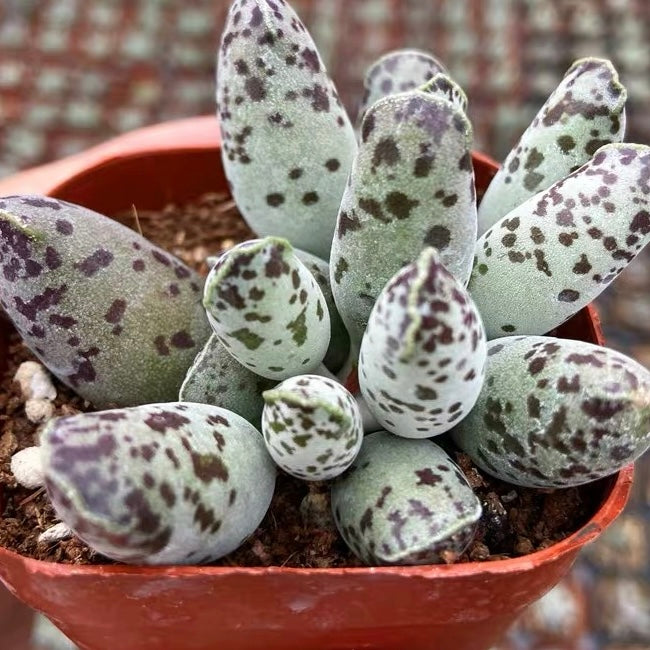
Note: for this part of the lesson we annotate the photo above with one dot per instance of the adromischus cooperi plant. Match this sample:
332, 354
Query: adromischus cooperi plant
447, 331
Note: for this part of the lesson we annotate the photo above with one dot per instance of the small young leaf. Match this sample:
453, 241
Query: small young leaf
312, 427
267, 309
443, 86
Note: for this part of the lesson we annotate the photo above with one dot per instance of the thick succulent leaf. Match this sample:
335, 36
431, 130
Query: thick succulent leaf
557, 413
217, 378
404, 502
267, 309
110, 314
585, 112
423, 354
396, 72
287, 141
339, 347
411, 186
170, 483
312, 427
445, 87
554, 254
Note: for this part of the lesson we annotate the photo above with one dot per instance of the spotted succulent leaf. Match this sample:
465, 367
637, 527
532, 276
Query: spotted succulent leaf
556, 413
217, 378
312, 427
585, 112
396, 72
276, 102
404, 502
555, 253
422, 357
158, 484
267, 309
339, 347
411, 186
87, 295
445, 87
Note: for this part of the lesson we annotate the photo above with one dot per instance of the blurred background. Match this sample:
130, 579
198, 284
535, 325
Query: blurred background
76, 72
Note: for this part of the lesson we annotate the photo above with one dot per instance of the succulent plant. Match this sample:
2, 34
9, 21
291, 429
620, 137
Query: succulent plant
160, 483
187, 481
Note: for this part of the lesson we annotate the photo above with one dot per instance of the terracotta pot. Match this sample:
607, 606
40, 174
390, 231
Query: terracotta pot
460, 607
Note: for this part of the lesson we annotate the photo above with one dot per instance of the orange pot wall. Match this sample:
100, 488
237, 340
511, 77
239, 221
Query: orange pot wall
458, 607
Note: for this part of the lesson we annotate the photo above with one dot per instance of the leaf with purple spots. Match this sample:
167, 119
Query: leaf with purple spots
397, 72
267, 309
557, 413
446, 88
585, 112
411, 186
217, 378
287, 141
312, 427
339, 347
158, 484
404, 502
551, 256
89, 295
422, 357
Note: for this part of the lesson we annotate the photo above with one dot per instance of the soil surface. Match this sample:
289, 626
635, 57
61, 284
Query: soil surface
298, 530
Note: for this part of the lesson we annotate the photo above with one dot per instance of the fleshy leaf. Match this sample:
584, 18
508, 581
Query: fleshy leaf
339, 346
90, 296
396, 72
312, 427
166, 483
411, 186
443, 86
217, 378
404, 502
423, 354
288, 144
554, 254
556, 413
585, 112
267, 309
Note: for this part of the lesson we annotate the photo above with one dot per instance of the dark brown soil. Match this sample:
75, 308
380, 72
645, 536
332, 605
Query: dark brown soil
298, 530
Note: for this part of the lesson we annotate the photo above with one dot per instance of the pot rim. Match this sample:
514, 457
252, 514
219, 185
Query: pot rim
200, 134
